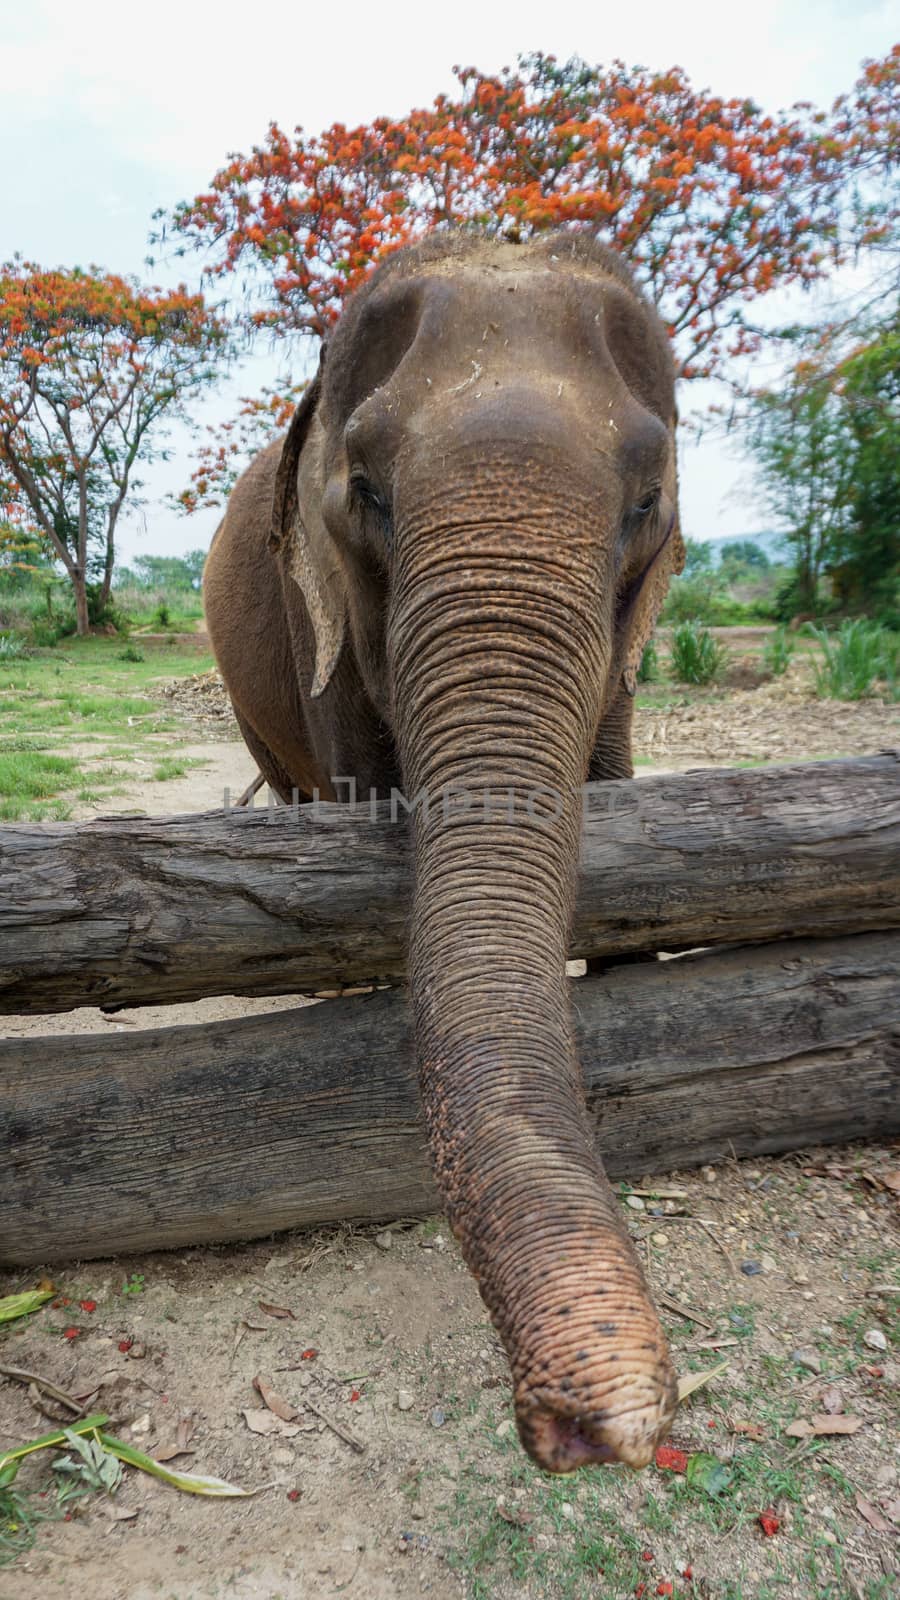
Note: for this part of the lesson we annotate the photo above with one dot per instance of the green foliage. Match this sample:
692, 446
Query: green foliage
648, 671
693, 596
744, 555
102, 611
90, 1469
705, 597
130, 654
696, 656
827, 444
698, 557
779, 652
854, 659
867, 555
162, 615
11, 646
165, 572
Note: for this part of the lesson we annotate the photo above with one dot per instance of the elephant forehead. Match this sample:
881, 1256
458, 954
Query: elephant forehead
550, 322
488, 313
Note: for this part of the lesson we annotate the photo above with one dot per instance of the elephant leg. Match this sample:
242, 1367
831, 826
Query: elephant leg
271, 768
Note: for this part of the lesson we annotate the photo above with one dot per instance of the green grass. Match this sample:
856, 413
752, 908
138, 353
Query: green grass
172, 767
86, 692
20, 1514
29, 776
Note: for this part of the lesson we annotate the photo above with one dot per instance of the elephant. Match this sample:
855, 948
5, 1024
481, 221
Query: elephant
442, 581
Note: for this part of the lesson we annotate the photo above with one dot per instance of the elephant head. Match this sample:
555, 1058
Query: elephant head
478, 500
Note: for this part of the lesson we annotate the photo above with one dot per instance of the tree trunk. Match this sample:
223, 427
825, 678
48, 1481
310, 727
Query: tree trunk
145, 910
108, 565
178, 1136
79, 587
110, 558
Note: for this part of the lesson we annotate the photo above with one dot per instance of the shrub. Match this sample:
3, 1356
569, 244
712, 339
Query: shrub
103, 613
853, 659
702, 598
779, 652
691, 597
45, 634
11, 647
696, 655
162, 615
648, 671
130, 654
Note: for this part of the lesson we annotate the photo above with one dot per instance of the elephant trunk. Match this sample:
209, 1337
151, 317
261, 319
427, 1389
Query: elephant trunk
496, 711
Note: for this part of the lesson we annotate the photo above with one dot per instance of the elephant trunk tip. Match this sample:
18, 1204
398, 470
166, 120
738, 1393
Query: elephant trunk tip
560, 1440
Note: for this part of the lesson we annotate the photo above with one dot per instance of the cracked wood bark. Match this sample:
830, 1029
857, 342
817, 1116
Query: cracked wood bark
184, 1135
139, 911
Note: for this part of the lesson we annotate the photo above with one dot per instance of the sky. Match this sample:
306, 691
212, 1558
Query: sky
110, 112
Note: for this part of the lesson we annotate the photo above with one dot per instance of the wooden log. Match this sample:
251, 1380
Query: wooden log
184, 1135
147, 910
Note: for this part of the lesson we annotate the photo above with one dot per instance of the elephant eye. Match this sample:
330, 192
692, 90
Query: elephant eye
364, 494
644, 507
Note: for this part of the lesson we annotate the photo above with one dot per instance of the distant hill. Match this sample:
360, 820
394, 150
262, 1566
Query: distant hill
773, 543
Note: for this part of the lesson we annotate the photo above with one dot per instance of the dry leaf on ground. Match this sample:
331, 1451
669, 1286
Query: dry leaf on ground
831, 1400
821, 1424
696, 1380
266, 1422
282, 1408
872, 1515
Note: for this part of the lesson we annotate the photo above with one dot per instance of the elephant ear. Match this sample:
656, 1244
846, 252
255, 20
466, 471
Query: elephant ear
299, 536
654, 589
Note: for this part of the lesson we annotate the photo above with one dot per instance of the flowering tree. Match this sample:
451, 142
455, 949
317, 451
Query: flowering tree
230, 445
714, 201
90, 365
859, 156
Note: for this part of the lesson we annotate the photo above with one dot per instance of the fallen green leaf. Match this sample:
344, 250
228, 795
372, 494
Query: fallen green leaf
189, 1482
96, 1467
708, 1473
48, 1440
20, 1305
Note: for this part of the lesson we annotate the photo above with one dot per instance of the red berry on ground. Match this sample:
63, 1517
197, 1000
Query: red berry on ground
125, 1345
71, 1333
88, 1305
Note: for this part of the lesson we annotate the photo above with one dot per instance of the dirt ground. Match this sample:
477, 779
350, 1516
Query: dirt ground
400, 1474
778, 1267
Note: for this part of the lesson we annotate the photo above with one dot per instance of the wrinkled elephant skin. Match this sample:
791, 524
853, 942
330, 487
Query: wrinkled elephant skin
442, 581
